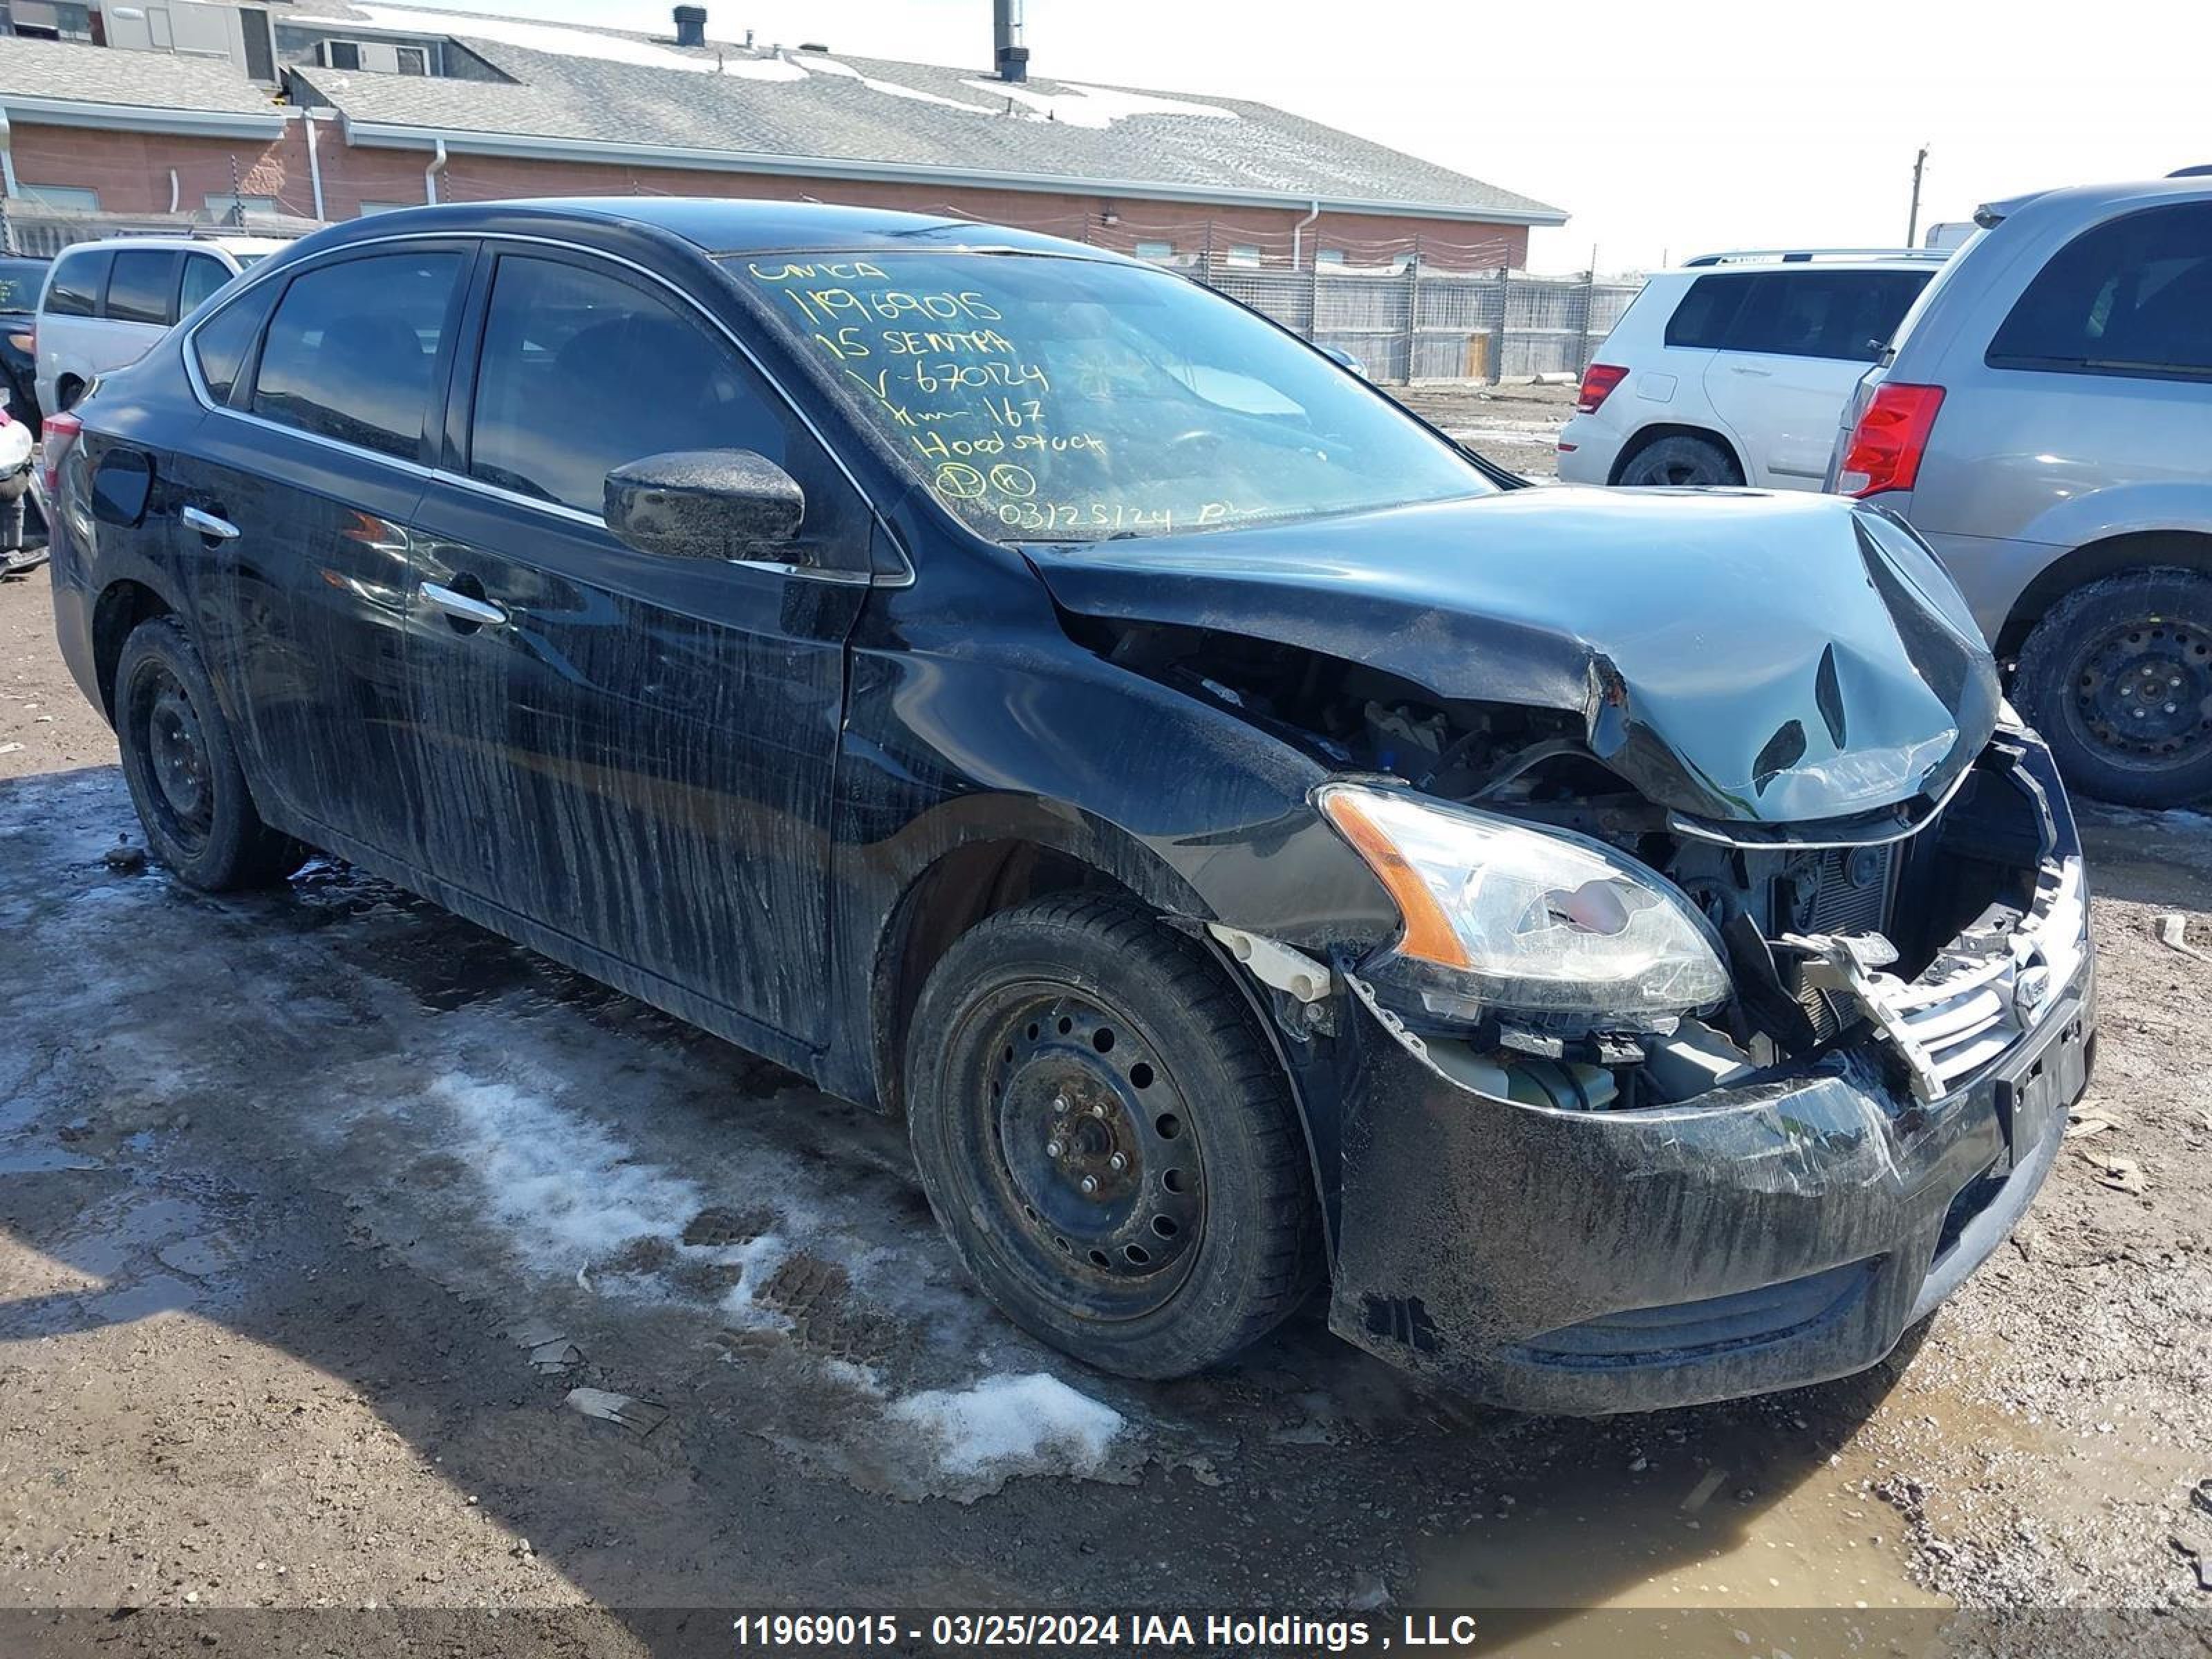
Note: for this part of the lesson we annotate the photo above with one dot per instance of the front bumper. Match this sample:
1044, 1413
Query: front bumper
1760, 1238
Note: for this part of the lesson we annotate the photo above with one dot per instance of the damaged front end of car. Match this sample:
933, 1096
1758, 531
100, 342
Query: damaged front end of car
1740, 980
1751, 1191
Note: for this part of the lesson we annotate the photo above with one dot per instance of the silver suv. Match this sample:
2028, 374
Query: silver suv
2045, 419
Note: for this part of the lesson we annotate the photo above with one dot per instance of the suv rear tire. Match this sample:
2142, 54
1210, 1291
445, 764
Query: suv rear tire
2117, 677
1679, 460
1058, 1037
183, 772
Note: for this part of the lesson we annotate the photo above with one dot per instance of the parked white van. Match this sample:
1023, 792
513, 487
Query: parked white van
1735, 369
105, 302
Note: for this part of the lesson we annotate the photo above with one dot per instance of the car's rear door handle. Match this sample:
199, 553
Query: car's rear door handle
462, 607
214, 529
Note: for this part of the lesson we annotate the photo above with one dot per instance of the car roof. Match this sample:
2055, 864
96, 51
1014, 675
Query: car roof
1751, 267
240, 244
2092, 198
734, 225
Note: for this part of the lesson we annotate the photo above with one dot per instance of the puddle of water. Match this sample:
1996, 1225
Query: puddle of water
121, 1230
1679, 1535
159, 1294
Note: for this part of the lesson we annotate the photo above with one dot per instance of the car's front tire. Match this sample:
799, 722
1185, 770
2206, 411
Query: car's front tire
2117, 677
182, 768
1681, 461
1106, 1137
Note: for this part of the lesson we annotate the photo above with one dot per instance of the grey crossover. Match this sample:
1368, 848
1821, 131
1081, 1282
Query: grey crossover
2045, 419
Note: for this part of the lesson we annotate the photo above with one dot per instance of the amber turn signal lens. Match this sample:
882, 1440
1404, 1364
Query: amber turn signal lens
1428, 935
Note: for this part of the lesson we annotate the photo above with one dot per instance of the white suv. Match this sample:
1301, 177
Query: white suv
104, 303
1735, 369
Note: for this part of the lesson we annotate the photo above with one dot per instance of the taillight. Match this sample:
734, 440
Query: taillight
1598, 382
1892, 435
60, 431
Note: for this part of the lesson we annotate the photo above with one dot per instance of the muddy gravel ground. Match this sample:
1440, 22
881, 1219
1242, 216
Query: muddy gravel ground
318, 1208
1515, 425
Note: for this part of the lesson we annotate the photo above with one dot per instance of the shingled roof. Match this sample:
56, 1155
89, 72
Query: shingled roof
81, 85
572, 89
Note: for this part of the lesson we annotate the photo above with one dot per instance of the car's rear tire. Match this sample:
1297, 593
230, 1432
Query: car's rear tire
1054, 1038
2117, 677
1679, 460
183, 771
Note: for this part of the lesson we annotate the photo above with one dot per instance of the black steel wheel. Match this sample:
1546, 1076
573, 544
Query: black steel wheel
1107, 1138
1679, 461
183, 770
2117, 677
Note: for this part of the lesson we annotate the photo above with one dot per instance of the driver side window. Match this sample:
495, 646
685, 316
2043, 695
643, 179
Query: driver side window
582, 371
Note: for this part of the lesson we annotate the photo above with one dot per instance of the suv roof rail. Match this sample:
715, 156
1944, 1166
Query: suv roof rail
1807, 255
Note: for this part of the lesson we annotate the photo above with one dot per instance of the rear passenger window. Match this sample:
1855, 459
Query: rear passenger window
204, 274
1707, 312
352, 346
141, 287
73, 288
1846, 314
2132, 297
220, 344
582, 371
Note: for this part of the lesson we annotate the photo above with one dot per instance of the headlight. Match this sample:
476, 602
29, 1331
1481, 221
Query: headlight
1541, 921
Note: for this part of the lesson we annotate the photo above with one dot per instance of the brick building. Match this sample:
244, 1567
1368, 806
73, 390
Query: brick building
325, 110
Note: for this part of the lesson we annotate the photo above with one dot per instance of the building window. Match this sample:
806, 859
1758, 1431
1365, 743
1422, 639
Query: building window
1244, 253
1163, 252
1329, 256
412, 60
77, 198
340, 54
219, 206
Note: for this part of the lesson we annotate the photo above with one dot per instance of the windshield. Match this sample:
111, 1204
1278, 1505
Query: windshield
20, 283
1057, 399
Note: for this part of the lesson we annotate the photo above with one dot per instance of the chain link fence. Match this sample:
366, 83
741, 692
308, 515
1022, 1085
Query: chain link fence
1422, 325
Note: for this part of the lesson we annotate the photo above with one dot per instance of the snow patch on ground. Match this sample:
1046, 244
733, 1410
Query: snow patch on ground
577, 43
1096, 107
1012, 1424
562, 1186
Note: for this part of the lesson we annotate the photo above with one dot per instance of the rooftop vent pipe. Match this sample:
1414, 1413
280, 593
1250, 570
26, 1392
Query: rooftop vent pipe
690, 26
1011, 56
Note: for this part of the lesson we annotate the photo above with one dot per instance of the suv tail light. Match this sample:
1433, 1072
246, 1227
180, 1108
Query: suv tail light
1891, 436
59, 432
1598, 382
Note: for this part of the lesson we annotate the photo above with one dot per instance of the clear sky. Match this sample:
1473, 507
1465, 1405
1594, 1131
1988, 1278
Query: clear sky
1664, 129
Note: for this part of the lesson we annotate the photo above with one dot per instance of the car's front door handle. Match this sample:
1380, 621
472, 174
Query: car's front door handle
214, 529
1757, 373
463, 607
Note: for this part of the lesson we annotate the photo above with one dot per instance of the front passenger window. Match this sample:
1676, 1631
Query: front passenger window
582, 371
351, 348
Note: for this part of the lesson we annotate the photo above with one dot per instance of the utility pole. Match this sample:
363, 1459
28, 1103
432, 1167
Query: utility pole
1913, 222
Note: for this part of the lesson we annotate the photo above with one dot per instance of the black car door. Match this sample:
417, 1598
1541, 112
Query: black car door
632, 751
298, 491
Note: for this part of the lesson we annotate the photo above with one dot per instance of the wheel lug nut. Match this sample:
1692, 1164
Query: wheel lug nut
1052, 1148
1059, 1103
1097, 1111
2169, 709
1090, 1184
1117, 1162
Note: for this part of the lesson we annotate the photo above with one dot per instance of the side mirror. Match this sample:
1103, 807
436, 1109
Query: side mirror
705, 504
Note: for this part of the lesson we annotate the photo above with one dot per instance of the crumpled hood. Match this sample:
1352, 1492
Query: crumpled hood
1737, 655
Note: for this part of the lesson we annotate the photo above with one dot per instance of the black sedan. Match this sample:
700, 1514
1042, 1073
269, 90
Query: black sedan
1621, 943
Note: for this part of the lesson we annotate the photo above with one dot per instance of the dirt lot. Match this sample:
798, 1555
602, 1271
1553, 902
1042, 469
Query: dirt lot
316, 1206
1516, 426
